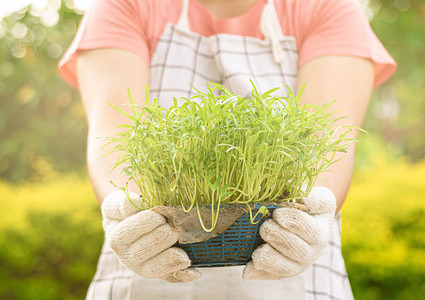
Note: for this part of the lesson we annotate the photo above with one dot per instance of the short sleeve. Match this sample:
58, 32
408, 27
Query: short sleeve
107, 24
340, 27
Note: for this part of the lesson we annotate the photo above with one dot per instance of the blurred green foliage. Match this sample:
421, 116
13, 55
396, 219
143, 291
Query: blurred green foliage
54, 258
397, 110
41, 117
51, 235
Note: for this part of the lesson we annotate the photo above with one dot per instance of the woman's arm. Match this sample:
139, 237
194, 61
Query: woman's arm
104, 75
349, 81
142, 240
295, 239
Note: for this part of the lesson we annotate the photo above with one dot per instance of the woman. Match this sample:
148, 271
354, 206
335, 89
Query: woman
170, 44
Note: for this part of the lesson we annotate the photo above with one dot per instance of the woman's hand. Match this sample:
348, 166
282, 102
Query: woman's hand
294, 239
142, 240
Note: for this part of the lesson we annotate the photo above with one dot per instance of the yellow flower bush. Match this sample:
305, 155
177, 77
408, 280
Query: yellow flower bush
50, 238
70, 194
383, 230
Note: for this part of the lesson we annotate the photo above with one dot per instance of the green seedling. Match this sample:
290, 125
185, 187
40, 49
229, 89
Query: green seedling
219, 148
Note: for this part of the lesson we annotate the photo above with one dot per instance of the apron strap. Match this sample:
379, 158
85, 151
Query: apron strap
271, 29
183, 22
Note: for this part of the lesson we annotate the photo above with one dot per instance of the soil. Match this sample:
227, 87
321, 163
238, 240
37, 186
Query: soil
190, 229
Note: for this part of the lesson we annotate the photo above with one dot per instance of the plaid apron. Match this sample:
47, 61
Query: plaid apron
183, 58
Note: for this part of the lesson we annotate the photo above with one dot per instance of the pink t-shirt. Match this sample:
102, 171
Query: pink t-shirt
320, 27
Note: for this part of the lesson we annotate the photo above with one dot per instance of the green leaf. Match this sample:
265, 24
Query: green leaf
133, 108
147, 101
121, 111
224, 188
263, 210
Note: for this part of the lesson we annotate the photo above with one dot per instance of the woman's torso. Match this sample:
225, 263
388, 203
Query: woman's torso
182, 56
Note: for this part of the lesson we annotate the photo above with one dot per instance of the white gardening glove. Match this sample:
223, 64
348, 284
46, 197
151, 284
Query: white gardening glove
142, 240
294, 238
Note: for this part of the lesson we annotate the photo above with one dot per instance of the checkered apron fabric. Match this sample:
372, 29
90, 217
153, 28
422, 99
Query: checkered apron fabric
183, 58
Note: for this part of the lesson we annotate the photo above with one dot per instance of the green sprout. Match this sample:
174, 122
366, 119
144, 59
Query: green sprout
226, 149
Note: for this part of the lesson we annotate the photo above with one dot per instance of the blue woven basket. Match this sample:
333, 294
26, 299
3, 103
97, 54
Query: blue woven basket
233, 247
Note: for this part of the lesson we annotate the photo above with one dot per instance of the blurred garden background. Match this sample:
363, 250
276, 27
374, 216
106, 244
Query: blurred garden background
50, 225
